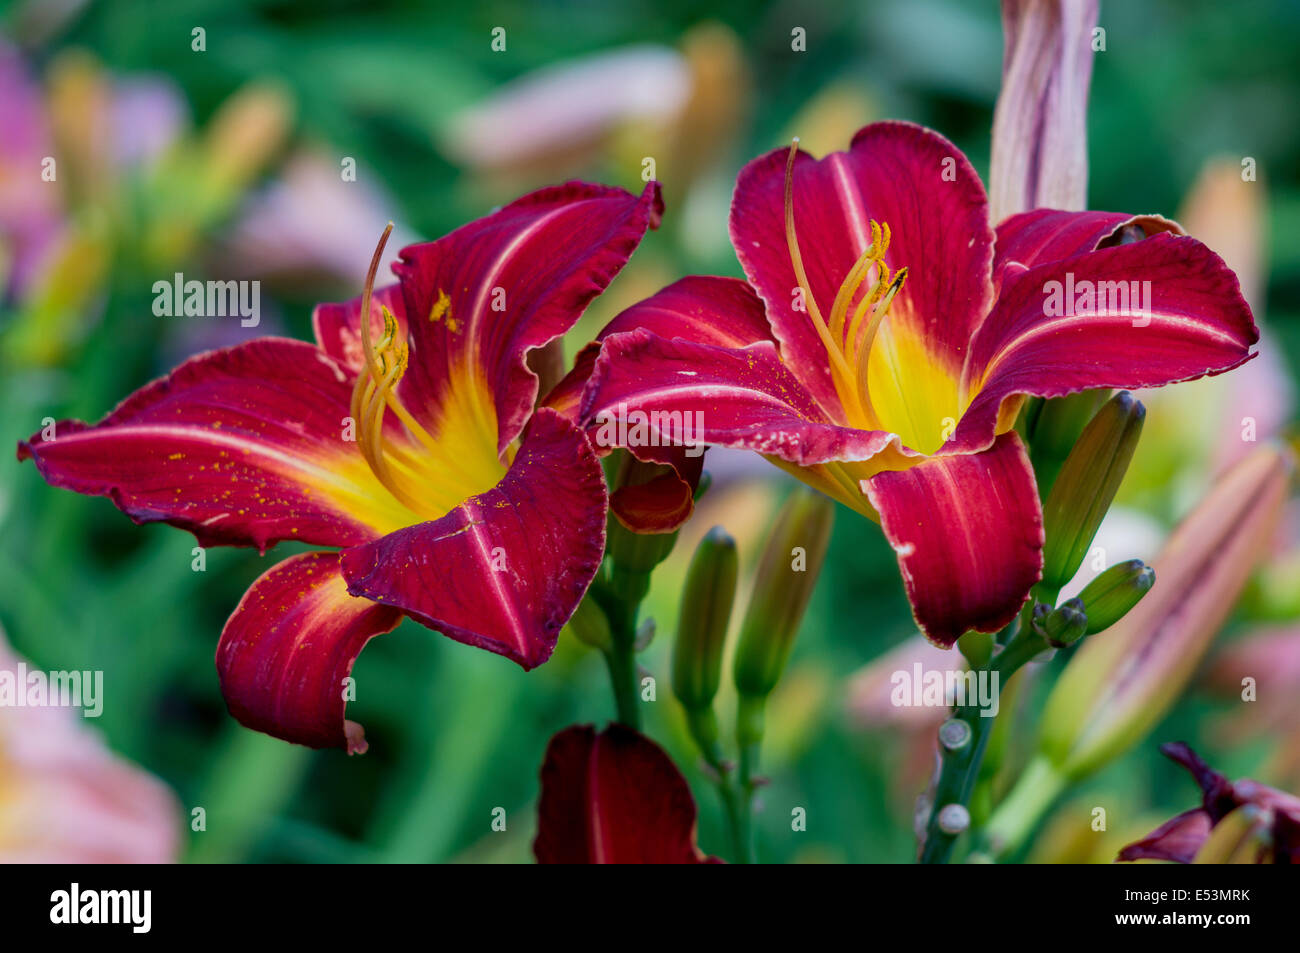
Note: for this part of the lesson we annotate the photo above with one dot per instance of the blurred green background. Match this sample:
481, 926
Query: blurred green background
456, 732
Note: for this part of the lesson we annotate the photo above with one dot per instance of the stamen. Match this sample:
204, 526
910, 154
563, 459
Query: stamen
367, 293
863, 352
372, 394
857, 275
839, 368
848, 343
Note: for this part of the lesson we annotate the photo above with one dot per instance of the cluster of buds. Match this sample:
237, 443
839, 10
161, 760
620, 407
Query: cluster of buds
783, 585
1120, 684
1083, 486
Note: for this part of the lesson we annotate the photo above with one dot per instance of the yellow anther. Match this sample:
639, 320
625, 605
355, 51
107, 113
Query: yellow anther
440, 307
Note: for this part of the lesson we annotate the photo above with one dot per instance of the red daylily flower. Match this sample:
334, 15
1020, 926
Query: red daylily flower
1181, 838
613, 798
408, 441
888, 335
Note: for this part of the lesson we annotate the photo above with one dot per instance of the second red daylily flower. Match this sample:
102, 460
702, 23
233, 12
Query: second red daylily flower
886, 339
409, 441
1181, 838
613, 798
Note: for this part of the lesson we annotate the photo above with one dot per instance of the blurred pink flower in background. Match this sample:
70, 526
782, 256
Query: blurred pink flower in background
29, 207
681, 106
1270, 657
566, 108
310, 224
66, 798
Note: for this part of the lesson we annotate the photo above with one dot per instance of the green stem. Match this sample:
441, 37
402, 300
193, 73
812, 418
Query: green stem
960, 768
619, 599
734, 803
1018, 814
703, 727
750, 714
621, 659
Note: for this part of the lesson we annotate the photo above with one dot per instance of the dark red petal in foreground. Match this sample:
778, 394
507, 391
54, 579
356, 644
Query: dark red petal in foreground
1178, 839
288, 647
1172, 311
968, 531
241, 446
613, 798
897, 173
505, 569
513, 281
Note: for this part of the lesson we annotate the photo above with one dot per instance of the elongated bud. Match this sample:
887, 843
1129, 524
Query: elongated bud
1051, 427
1110, 596
1066, 624
590, 626
1039, 151
1086, 486
1242, 837
1122, 681
706, 604
783, 585
977, 647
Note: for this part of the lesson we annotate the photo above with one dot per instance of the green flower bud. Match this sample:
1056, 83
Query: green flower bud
783, 585
1242, 837
1123, 681
590, 626
1110, 596
1051, 428
1065, 624
707, 598
1086, 486
977, 647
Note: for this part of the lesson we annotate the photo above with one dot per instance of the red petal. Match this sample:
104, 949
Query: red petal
288, 647
896, 173
708, 310
745, 397
968, 531
1046, 234
515, 280
240, 446
613, 798
1198, 324
1178, 839
718, 311
505, 569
